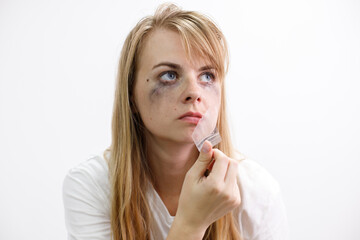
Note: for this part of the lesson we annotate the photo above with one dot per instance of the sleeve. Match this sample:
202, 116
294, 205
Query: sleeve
274, 225
86, 216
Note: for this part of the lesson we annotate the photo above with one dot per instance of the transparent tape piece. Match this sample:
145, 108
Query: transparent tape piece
214, 138
206, 130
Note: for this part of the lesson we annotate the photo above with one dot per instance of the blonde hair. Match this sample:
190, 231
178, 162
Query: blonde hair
128, 169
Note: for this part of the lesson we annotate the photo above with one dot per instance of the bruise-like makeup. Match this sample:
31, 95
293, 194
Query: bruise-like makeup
161, 87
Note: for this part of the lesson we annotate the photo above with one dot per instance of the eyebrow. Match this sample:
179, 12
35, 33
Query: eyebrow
177, 66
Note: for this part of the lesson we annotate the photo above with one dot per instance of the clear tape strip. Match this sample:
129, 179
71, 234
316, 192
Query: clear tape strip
214, 138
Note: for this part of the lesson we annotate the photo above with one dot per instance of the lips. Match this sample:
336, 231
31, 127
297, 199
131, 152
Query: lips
191, 117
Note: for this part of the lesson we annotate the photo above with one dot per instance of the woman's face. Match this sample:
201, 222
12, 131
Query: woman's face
170, 92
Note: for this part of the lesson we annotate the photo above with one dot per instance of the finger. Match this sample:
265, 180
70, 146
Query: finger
231, 172
220, 165
204, 158
211, 164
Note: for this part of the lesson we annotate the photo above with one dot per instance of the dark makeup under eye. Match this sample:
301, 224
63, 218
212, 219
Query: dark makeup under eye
170, 79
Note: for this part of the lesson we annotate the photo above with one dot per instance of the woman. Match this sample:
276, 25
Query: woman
152, 184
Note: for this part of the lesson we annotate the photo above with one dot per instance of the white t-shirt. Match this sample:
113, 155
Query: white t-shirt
86, 196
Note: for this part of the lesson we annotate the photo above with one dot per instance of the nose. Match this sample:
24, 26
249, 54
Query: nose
192, 92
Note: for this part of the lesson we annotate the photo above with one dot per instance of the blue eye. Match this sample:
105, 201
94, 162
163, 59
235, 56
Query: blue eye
207, 77
169, 76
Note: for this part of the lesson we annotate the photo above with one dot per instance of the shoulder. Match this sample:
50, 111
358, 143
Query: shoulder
87, 184
257, 179
94, 168
86, 198
90, 174
262, 213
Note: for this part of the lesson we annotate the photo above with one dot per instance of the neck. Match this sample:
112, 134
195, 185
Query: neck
169, 162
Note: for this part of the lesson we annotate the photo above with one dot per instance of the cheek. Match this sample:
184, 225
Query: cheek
155, 104
163, 98
212, 96
160, 92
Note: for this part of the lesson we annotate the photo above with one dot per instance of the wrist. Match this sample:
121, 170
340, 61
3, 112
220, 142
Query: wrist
183, 230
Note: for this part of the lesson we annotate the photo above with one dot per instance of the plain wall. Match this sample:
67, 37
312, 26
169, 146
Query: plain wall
293, 97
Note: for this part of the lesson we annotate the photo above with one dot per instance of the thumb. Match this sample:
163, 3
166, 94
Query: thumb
204, 158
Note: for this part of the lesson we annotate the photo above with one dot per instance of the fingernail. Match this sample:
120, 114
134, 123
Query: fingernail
205, 148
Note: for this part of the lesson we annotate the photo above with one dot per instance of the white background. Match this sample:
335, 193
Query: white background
293, 94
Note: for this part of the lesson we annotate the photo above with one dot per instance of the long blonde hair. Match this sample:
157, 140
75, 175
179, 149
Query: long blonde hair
128, 168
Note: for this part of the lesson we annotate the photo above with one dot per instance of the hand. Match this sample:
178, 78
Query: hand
203, 200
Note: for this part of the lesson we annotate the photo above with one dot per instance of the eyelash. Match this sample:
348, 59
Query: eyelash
168, 81
212, 75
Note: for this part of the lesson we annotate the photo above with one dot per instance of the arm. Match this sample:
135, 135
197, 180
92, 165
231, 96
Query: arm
203, 200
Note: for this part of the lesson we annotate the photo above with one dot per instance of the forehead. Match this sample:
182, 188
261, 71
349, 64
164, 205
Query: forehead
166, 45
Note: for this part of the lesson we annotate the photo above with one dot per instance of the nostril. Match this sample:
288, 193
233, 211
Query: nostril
193, 98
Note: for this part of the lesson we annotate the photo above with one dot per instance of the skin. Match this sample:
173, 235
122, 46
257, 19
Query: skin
161, 95
161, 100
